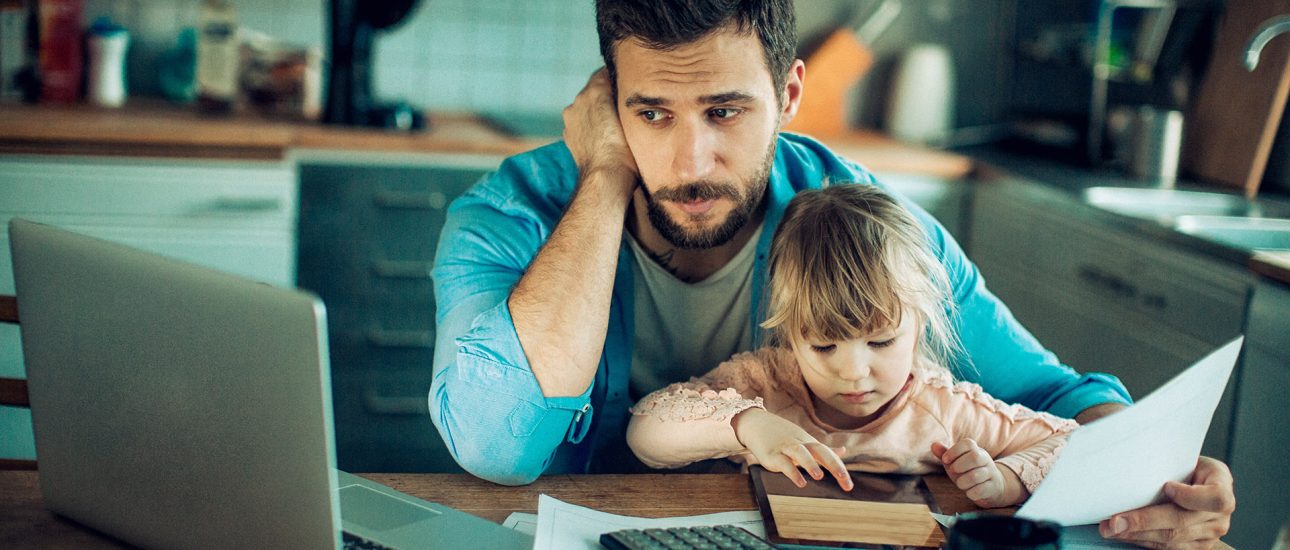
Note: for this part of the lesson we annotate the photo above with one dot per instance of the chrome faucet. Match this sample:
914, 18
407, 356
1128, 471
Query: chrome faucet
1266, 32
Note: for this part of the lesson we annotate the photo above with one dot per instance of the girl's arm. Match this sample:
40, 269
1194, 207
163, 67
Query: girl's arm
691, 421
1013, 446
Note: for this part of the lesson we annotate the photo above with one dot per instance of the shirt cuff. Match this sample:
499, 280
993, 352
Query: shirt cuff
1092, 389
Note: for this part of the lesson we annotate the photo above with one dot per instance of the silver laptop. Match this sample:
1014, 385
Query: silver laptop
176, 406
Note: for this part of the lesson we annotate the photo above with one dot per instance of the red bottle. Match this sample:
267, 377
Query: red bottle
60, 49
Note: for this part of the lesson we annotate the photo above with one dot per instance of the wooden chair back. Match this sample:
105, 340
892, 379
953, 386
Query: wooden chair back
13, 391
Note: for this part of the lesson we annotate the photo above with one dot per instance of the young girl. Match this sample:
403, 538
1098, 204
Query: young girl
855, 375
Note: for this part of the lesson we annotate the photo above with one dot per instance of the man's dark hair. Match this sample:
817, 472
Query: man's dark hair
666, 24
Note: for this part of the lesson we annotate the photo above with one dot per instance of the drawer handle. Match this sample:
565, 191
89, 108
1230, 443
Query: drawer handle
390, 269
1155, 301
434, 200
385, 338
247, 204
1108, 281
382, 404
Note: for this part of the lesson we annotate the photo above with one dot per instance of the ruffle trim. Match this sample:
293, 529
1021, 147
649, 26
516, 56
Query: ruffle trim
1033, 473
1011, 411
684, 403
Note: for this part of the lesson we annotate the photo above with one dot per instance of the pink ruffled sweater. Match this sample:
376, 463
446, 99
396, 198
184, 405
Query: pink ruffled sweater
690, 421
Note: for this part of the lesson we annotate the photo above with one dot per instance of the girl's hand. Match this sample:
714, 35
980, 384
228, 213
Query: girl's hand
782, 446
973, 471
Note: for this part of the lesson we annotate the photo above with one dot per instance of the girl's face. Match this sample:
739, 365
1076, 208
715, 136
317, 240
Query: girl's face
853, 379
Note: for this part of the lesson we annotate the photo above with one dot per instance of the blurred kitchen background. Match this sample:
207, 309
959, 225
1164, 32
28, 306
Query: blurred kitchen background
1008, 59
1115, 169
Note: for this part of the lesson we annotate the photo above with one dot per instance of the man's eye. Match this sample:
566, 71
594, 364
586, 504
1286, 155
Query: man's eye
723, 113
882, 343
651, 116
823, 349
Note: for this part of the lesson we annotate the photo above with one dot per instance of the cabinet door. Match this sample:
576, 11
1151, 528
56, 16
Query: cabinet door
234, 216
1106, 300
1094, 335
367, 243
1259, 442
1260, 436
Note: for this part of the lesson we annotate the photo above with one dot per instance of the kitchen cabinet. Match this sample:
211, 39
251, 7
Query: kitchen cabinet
238, 216
1259, 434
368, 229
1105, 298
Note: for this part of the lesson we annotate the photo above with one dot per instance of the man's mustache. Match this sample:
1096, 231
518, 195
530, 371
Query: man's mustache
696, 191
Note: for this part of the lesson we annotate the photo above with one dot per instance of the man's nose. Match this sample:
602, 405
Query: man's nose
694, 155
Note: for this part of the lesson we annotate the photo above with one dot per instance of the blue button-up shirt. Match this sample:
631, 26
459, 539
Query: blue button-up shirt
487, 404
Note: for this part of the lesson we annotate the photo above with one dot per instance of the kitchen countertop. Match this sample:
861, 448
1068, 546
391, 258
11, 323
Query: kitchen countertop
157, 128
1069, 181
1273, 265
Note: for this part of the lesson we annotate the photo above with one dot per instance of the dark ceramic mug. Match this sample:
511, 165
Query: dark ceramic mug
998, 532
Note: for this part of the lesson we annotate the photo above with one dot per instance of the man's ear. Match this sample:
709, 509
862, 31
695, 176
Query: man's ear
791, 95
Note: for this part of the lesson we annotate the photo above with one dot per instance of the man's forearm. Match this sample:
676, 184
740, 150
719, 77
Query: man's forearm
561, 305
1098, 411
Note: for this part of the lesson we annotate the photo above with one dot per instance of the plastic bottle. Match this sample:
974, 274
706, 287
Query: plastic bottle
108, 43
61, 62
217, 56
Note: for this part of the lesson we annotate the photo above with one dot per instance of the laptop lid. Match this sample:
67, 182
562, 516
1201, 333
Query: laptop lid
174, 406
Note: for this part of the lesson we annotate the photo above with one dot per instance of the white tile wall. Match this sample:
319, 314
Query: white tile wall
519, 55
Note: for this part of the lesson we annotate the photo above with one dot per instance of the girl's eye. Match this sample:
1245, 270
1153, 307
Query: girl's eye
883, 343
823, 349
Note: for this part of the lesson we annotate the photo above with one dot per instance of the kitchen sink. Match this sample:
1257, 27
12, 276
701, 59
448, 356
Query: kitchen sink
1168, 204
1243, 233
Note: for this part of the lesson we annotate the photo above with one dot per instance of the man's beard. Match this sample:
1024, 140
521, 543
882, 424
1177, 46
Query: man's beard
745, 204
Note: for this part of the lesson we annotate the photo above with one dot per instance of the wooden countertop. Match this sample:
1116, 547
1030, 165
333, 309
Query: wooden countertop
1273, 265
25, 523
157, 128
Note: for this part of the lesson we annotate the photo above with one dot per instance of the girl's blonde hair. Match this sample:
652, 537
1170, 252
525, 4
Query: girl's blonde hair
847, 261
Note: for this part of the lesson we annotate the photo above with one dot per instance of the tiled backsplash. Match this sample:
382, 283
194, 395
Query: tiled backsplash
507, 55
532, 56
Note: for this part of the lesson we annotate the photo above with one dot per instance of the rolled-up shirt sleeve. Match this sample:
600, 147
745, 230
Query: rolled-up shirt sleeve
484, 398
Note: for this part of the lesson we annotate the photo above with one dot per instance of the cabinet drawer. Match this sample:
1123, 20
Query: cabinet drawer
1188, 292
381, 336
266, 255
1269, 324
120, 190
385, 204
354, 271
382, 425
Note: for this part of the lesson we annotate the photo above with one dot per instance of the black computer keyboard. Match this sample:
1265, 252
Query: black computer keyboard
721, 537
350, 541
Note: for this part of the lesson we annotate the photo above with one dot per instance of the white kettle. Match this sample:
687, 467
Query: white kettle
920, 102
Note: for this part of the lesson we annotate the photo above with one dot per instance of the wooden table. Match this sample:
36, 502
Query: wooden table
24, 522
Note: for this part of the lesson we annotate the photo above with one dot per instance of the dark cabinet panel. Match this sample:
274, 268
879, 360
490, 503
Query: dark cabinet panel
367, 243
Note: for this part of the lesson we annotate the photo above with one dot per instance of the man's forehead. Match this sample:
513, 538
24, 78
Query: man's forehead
722, 66
720, 98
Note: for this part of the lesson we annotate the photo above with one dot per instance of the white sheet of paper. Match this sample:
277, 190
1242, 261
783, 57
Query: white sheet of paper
523, 522
564, 526
1121, 462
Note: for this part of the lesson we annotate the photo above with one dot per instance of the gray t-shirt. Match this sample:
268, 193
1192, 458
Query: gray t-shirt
687, 329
